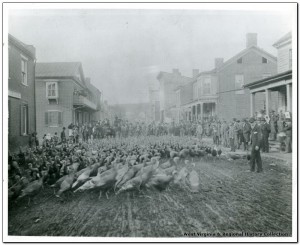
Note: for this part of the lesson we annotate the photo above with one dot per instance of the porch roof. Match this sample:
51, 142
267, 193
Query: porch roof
270, 81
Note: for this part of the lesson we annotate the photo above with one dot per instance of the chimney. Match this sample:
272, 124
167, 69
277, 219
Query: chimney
195, 72
251, 40
176, 71
219, 62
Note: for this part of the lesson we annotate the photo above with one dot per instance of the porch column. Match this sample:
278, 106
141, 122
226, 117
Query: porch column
267, 100
252, 104
196, 112
201, 111
288, 98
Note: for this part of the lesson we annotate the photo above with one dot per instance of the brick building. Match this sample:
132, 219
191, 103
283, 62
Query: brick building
276, 89
21, 93
168, 82
221, 92
63, 95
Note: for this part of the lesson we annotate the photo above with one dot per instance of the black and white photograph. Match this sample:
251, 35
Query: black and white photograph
139, 122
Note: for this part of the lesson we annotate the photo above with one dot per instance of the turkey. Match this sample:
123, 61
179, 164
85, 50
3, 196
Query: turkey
32, 189
161, 181
83, 177
66, 184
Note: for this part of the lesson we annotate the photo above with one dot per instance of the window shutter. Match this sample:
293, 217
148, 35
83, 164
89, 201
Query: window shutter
60, 118
46, 118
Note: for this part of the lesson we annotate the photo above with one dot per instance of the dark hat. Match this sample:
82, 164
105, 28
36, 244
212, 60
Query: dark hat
251, 120
263, 119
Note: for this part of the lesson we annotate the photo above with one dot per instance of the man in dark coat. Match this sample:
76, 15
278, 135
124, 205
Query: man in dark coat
246, 134
63, 135
288, 132
255, 146
265, 130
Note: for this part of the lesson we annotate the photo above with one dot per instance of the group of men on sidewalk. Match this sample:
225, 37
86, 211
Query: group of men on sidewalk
253, 134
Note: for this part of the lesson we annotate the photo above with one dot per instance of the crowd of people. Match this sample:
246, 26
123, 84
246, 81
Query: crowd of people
55, 153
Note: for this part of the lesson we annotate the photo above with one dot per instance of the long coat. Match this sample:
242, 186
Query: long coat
265, 129
256, 137
246, 131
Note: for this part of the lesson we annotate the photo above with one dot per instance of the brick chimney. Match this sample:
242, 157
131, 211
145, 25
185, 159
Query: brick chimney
195, 72
251, 40
176, 71
219, 62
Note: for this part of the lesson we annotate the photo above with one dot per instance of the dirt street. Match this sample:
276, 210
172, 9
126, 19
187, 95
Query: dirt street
231, 200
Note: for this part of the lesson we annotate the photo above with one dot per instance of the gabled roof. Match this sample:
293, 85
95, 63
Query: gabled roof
61, 70
244, 52
28, 49
236, 57
283, 39
57, 69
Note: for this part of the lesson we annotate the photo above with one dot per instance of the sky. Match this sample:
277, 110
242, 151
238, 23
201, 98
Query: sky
122, 51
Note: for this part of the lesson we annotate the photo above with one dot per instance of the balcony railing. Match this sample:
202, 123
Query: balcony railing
80, 100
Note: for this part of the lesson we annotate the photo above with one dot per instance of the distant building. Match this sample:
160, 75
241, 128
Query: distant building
280, 84
168, 82
251, 64
21, 93
221, 92
63, 96
154, 104
132, 112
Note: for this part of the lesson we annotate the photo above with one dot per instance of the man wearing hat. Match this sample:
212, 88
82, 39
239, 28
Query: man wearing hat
255, 146
63, 135
231, 135
265, 130
246, 133
288, 131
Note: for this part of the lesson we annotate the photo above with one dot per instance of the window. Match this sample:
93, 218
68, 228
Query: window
51, 90
206, 85
53, 118
290, 58
24, 71
240, 60
239, 83
264, 60
24, 119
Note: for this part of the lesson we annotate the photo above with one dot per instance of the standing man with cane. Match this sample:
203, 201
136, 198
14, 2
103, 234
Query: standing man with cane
255, 142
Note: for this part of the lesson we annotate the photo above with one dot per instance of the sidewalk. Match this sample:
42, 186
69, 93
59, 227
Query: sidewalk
287, 157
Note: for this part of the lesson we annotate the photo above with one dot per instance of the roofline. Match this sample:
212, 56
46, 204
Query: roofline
283, 40
280, 76
21, 46
171, 73
242, 53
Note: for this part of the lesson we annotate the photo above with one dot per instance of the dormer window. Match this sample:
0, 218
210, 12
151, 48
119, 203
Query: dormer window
240, 60
264, 60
